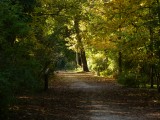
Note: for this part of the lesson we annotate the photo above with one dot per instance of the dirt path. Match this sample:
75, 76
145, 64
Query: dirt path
82, 96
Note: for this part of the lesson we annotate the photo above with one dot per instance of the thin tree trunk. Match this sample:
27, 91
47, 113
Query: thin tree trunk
158, 10
120, 62
151, 77
158, 76
120, 53
151, 49
46, 82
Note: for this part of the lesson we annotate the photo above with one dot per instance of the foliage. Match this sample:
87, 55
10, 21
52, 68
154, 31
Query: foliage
130, 28
128, 79
20, 66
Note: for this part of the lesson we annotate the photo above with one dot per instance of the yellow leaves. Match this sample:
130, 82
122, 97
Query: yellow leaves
102, 44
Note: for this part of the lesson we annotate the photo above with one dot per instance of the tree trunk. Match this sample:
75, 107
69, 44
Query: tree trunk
84, 61
120, 62
80, 44
151, 66
45, 82
158, 10
78, 59
151, 49
158, 76
151, 77
46, 77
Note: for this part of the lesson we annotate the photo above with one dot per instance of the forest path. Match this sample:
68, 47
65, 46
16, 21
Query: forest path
83, 96
103, 99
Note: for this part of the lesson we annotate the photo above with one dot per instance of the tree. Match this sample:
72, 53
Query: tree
80, 44
125, 25
68, 22
18, 67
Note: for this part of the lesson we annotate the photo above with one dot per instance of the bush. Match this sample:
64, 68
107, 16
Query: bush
6, 96
143, 80
15, 79
107, 73
70, 66
128, 79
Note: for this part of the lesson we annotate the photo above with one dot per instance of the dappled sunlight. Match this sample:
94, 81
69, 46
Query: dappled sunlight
154, 115
74, 74
25, 97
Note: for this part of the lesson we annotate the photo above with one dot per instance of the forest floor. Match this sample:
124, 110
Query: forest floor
83, 96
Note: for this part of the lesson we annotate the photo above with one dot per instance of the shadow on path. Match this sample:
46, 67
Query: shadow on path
83, 96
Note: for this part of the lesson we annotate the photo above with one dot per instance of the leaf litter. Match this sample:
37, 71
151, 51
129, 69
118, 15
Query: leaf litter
83, 96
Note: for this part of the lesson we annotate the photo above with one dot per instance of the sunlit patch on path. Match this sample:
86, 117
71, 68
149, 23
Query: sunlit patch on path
83, 86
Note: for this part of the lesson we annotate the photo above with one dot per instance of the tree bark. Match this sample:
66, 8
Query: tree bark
151, 50
46, 77
120, 62
78, 59
151, 77
84, 61
158, 10
45, 82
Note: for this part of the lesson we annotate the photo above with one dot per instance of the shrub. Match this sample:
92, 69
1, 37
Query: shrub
15, 79
128, 79
143, 79
6, 96
107, 73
